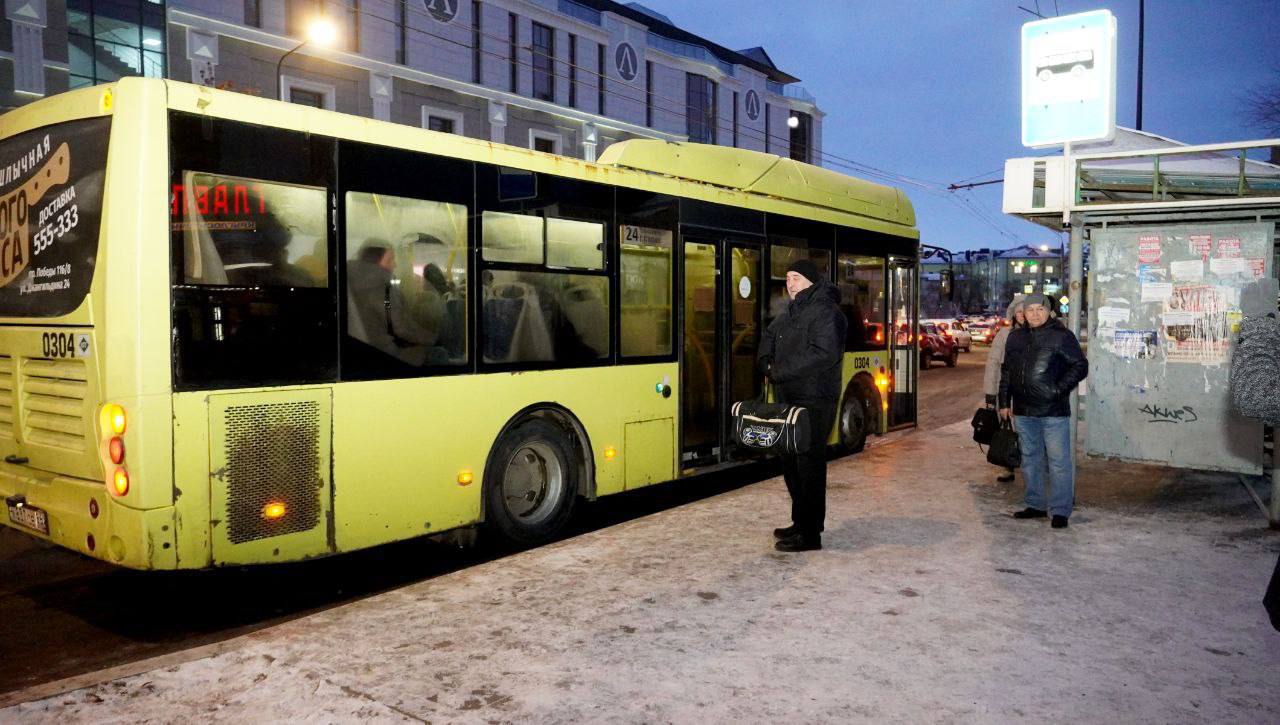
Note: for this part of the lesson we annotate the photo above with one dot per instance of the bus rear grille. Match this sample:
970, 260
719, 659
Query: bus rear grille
53, 403
6, 396
273, 457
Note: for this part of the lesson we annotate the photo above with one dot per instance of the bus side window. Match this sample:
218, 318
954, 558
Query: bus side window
406, 280
861, 283
250, 233
544, 316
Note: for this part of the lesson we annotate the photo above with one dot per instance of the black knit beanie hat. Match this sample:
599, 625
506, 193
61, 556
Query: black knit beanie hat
806, 268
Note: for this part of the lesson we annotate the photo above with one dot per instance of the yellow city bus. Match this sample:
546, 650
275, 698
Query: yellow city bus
238, 331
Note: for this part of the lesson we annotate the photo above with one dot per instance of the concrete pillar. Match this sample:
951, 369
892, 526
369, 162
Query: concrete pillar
381, 90
497, 122
202, 51
590, 141
28, 19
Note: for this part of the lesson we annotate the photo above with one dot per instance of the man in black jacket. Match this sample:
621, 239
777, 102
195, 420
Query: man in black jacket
1043, 364
801, 354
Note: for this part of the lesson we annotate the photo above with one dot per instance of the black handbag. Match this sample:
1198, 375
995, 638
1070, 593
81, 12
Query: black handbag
985, 424
771, 428
1004, 450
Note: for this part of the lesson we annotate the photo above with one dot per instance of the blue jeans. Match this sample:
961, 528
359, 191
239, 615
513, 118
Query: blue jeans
1046, 444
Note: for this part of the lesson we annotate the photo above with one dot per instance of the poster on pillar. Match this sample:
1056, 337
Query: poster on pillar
1164, 313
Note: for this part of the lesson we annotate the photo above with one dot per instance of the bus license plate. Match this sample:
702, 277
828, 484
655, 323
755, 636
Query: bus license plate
30, 517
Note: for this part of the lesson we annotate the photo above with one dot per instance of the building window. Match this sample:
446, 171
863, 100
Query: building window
600, 78
307, 93
252, 13
402, 29
353, 25
802, 137
477, 54
700, 108
544, 141
735, 119
304, 97
108, 41
768, 141
648, 93
437, 119
573, 71
513, 43
544, 55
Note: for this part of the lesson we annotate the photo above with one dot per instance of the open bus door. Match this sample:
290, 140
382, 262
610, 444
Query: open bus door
721, 334
904, 345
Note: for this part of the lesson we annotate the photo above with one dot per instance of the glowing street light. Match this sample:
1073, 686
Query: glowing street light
1044, 247
320, 31
793, 121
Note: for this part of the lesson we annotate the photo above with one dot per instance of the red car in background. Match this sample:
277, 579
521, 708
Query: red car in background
934, 345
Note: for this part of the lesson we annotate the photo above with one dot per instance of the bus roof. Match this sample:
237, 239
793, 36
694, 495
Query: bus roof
754, 172
717, 174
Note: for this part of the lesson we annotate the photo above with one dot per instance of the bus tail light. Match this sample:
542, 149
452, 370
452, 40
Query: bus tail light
115, 448
113, 418
120, 482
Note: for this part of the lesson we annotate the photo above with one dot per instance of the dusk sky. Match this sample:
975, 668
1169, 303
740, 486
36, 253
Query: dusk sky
928, 89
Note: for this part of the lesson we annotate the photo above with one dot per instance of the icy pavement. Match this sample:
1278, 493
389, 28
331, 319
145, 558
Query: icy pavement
928, 603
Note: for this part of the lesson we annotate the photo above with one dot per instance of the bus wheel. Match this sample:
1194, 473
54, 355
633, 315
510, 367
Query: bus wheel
857, 416
531, 484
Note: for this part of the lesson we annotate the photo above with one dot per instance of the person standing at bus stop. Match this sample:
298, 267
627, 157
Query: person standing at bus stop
1043, 364
995, 358
801, 353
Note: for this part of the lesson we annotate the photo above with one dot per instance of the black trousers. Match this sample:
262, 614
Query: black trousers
806, 473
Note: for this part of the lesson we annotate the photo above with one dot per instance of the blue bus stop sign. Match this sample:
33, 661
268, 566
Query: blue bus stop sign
1069, 79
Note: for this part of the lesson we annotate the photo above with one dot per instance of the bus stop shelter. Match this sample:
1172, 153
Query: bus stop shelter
1173, 234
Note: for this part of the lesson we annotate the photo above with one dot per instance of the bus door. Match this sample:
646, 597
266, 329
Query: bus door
721, 335
905, 347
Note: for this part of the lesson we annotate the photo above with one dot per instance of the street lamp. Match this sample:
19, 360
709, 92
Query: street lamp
320, 31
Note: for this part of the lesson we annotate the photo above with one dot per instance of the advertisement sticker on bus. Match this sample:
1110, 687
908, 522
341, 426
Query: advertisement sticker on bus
51, 182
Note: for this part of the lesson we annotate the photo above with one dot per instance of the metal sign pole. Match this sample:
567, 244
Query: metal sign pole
1075, 285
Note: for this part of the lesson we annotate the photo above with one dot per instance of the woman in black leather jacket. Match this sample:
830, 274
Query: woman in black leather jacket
1043, 364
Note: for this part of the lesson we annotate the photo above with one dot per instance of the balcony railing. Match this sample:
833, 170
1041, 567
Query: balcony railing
688, 50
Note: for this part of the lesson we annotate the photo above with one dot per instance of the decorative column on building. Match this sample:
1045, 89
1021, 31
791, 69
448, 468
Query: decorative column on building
497, 122
590, 141
202, 51
28, 19
381, 89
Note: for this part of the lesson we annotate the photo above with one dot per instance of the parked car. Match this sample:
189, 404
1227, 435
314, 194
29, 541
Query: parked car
957, 331
937, 345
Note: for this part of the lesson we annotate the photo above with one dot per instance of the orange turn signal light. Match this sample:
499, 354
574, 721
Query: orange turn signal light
113, 418
115, 447
274, 510
120, 482
465, 477
882, 382
610, 453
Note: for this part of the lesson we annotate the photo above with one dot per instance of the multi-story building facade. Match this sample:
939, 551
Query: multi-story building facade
986, 279
569, 76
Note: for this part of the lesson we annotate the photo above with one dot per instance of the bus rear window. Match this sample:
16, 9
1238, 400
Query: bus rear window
250, 233
51, 183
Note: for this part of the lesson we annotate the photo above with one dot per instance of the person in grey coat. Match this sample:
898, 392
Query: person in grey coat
1255, 376
995, 358
1255, 365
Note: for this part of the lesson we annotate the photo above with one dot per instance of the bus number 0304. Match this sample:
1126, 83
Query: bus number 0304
58, 344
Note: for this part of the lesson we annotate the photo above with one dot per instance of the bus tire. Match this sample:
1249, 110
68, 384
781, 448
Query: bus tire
857, 415
531, 484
